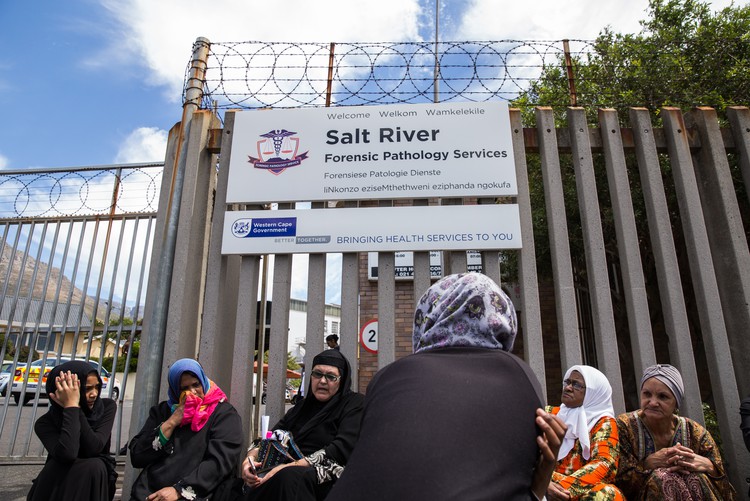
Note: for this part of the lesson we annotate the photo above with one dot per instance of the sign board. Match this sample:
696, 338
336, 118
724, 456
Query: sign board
404, 264
379, 229
368, 336
372, 152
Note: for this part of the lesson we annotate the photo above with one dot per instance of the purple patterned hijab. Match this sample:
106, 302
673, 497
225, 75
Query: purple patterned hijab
467, 309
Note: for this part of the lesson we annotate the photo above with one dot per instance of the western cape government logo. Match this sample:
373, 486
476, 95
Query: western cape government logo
277, 151
265, 227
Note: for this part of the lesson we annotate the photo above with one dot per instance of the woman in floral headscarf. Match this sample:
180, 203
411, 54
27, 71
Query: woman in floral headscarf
457, 419
587, 461
190, 444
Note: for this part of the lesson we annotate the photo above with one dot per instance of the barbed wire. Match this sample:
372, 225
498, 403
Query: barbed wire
291, 75
83, 191
248, 75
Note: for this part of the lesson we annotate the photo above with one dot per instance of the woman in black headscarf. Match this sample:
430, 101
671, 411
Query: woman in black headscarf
325, 427
76, 433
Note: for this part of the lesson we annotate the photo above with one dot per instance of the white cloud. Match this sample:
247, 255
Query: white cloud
144, 144
3, 162
552, 19
162, 33
547, 20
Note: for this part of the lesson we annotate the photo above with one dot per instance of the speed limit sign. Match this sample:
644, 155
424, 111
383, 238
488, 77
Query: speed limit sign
368, 336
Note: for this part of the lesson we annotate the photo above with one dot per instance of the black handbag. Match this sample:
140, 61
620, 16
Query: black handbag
273, 452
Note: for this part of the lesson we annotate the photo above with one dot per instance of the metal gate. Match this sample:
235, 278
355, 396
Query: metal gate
74, 249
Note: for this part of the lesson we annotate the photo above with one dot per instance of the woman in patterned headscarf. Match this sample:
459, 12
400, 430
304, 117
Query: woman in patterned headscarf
458, 418
190, 445
664, 455
587, 461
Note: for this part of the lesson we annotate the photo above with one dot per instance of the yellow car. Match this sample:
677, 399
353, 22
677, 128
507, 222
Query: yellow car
33, 380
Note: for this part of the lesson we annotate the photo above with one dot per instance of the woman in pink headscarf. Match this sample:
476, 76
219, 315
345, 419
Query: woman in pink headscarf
190, 444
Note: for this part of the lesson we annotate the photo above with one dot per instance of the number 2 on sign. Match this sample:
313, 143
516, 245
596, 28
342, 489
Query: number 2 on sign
368, 336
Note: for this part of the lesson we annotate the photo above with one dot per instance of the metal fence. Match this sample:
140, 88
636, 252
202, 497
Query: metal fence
74, 249
657, 184
681, 175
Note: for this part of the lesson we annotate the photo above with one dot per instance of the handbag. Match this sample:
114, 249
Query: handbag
273, 452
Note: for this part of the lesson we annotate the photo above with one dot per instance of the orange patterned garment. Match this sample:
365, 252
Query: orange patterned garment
592, 479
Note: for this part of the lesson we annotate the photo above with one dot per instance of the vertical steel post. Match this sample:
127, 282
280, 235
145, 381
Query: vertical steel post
571, 75
151, 358
436, 77
329, 85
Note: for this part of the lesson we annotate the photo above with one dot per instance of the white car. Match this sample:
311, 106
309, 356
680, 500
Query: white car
33, 379
5, 375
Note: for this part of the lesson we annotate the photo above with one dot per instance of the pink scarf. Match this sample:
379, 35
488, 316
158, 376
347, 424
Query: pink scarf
198, 410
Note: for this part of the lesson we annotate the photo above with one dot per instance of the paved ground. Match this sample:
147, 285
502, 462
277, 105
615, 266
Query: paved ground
15, 480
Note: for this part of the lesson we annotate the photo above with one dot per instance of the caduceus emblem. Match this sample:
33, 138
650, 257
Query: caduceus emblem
277, 151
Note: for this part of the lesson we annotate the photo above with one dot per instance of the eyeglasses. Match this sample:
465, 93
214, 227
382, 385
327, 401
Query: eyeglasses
331, 378
575, 384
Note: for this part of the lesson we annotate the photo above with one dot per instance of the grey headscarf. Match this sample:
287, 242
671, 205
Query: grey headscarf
670, 376
467, 309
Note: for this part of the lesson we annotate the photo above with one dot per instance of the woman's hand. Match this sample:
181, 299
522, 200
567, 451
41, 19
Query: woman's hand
176, 418
663, 458
685, 460
557, 492
168, 426
249, 475
275, 470
68, 390
165, 494
553, 432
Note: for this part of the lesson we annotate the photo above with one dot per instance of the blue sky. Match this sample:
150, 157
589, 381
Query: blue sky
96, 82
90, 82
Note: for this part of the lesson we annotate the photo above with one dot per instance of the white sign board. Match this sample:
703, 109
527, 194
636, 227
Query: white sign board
379, 229
372, 152
404, 264
368, 336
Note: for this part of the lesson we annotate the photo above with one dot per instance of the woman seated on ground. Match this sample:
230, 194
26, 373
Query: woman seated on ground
76, 433
587, 461
325, 427
457, 419
191, 444
663, 455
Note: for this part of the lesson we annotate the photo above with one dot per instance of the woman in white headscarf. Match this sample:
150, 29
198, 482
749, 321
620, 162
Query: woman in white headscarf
588, 456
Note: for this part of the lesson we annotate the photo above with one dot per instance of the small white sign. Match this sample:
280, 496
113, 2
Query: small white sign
378, 229
368, 336
404, 264
372, 152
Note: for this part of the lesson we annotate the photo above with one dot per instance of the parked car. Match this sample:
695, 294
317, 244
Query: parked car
291, 392
5, 375
33, 380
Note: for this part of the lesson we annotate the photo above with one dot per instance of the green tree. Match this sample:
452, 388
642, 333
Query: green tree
9, 348
685, 56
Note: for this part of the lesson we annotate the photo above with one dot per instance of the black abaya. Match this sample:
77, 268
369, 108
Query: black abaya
331, 426
79, 466
201, 460
446, 424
